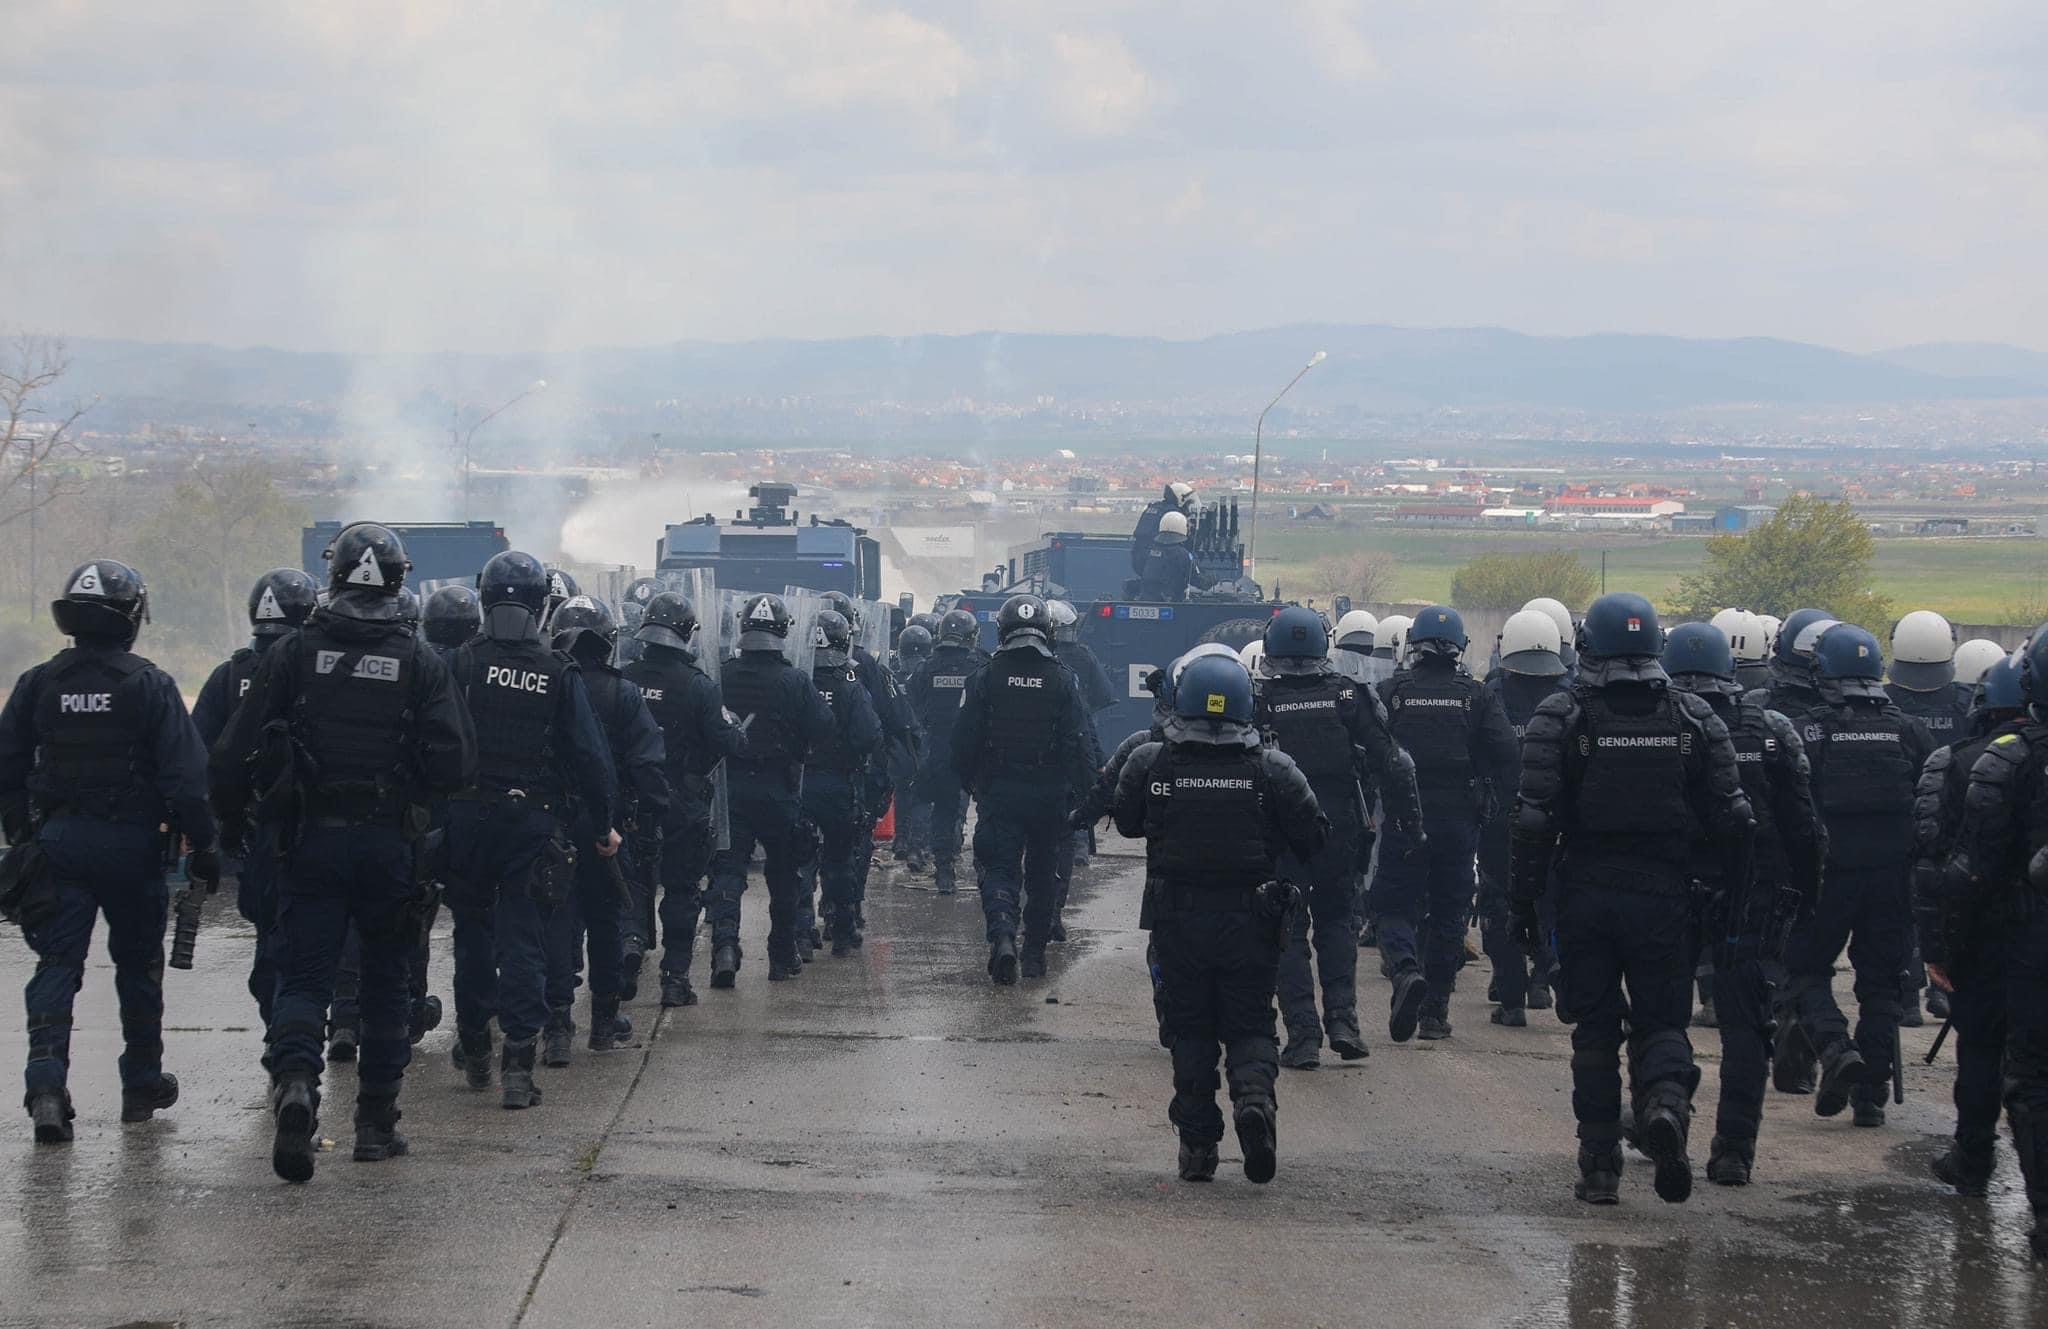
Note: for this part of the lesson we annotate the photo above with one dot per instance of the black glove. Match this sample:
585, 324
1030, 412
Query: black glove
1524, 926
203, 867
1080, 819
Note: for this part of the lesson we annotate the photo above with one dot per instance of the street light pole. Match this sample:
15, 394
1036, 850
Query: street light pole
538, 385
1251, 558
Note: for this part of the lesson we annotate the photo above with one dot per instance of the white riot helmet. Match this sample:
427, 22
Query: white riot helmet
1207, 648
1182, 494
1923, 652
1529, 643
1392, 637
1557, 613
1770, 624
1747, 640
1975, 656
1252, 655
1173, 529
1066, 623
1357, 628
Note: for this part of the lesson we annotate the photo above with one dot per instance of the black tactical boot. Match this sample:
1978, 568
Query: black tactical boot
1937, 1003
515, 1071
1539, 995
945, 872
1058, 931
1197, 1162
1966, 1167
1513, 1017
1345, 1039
341, 1043
676, 990
1002, 960
725, 964
296, 1105
782, 968
1910, 1014
1841, 1072
806, 947
426, 1017
51, 1112
841, 946
1259, 1140
604, 1024
1303, 1050
377, 1137
1436, 1020
1662, 1132
1493, 990
632, 955
1792, 1060
1410, 991
556, 1038
1729, 1162
1704, 1017
472, 1055
1599, 1175
141, 1104
1032, 963
1869, 1109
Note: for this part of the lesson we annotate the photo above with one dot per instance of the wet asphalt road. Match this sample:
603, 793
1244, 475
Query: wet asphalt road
892, 1141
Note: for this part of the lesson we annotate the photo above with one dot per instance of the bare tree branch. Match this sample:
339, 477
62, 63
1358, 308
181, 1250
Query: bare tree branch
32, 433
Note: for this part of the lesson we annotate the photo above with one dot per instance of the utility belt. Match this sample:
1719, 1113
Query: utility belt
519, 799
128, 809
1636, 878
355, 804
1211, 899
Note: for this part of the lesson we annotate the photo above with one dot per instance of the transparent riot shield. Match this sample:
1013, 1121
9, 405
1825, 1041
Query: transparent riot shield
802, 646
700, 587
873, 634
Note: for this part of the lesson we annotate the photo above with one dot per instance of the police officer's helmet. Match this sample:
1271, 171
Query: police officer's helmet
913, 643
1392, 636
1769, 623
1215, 687
670, 620
844, 605
1620, 626
514, 578
408, 607
764, 623
1846, 651
1180, 494
1529, 644
1975, 656
1066, 623
366, 557
1698, 649
1296, 633
1809, 637
452, 616
562, 588
640, 590
831, 637
1923, 651
1154, 681
581, 618
1786, 649
958, 628
928, 621
1554, 610
281, 600
1173, 529
1022, 617
102, 599
1180, 665
1357, 628
2034, 667
2002, 688
1437, 630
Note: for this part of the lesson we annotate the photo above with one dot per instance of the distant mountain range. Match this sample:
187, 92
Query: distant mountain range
1374, 371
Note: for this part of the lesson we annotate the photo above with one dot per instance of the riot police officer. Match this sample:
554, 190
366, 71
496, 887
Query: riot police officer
1351, 651
279, 602
874, 783
349, 731
1997, 883
1464, 750
1745, 920
1618, 775
96, 752
698, 733
1866, 756
1216, 809
935, 695
633, 602
833, 793
1792, 690
511, 859
1922, 683
1178, 500
913, 648
913, 815
786, 721
1750, 643
1531, 669
1965, 946
451, 617
1323, 721
593, 913
1170, 569
1021, 746
1097, 695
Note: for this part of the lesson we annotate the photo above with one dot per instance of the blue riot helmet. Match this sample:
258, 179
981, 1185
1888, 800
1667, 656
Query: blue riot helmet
1437, 630
452, 616
1621, 626
1180, 665
513, 590
1297, 640
1785, 649
1699, 659
1214, 687
2034, 667
1847, 651
2002, 688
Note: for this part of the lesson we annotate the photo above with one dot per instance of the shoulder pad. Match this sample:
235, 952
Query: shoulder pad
1691, 707
2001, 760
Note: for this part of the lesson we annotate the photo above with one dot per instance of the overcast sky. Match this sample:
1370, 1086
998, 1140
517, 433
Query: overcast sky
412, 174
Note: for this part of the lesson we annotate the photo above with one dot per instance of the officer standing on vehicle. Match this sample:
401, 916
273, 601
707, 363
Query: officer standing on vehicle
1618, 777
350, 730
1531, 669
1216, 809
935, 696
594, 912
785, 721
1964, 944
511, 861
1170, 568
1746, 920
832, 779
1179, 501
279, 602
1998, 883
1866, 756
1324, 721
697, 734
1463, 748
1021, 745
97, 752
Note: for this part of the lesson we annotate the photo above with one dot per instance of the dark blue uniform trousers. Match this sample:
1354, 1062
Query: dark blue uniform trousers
685, 858
500, 929
1325, 883
256, 901
592, 916
764, 811
99, 867
1423, 897
829, 805
1020, 829
1216, 974
1870, 911
1625, 957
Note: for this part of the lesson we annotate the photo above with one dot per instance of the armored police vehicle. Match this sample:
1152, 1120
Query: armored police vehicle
767, 548
441, 551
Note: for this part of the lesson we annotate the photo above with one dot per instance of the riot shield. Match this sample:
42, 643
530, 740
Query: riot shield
873, 634
700, 587
802, 646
